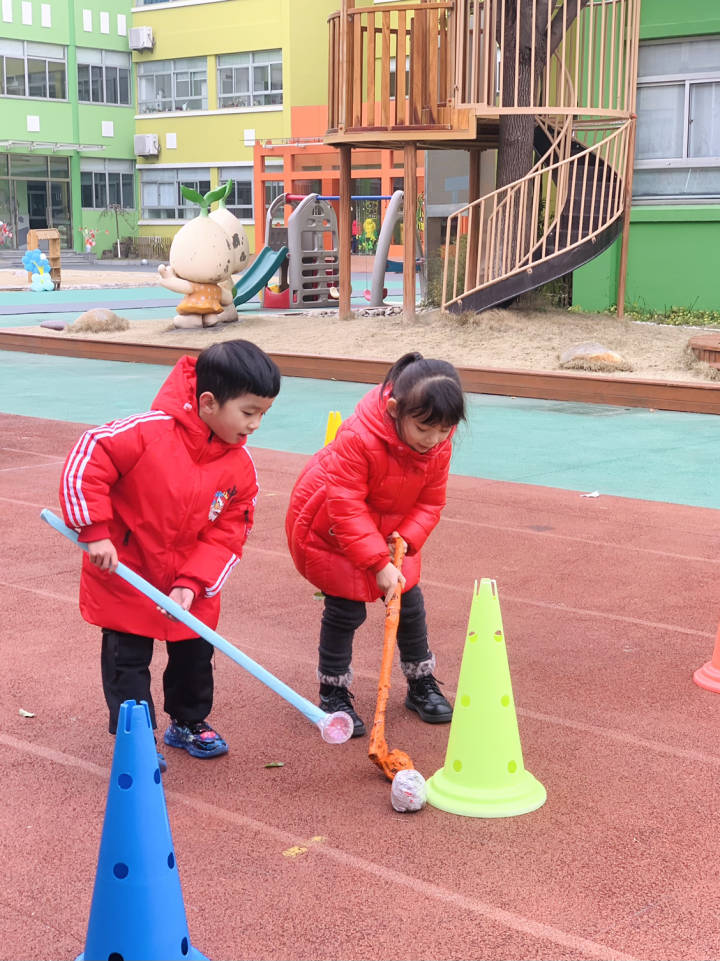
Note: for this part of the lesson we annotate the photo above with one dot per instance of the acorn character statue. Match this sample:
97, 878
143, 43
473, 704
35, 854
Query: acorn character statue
201, 256
240, 252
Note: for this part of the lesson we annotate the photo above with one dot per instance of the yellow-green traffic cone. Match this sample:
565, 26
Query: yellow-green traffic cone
333, 422
484, 775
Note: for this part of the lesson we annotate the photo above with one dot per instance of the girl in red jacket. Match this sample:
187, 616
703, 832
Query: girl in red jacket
384, 474
170, 493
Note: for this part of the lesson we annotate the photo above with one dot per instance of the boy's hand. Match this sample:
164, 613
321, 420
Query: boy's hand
387, 580
103, 555
182, 596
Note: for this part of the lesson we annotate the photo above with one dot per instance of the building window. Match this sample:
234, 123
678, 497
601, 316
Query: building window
393, 76
273, 189
108, 183
32, 70
240, 199
160, 195
172, 85
103, 76
678, 134
251, 79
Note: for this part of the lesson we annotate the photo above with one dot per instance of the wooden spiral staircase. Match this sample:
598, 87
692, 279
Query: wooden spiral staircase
564, 70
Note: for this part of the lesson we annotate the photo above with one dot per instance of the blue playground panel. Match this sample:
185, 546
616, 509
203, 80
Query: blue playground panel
629, 452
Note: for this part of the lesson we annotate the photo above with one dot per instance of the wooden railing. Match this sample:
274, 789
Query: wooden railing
501, 66
391, 67
558, 206
469, 55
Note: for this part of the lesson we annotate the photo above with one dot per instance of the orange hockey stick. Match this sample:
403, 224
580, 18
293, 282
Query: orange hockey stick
389, 762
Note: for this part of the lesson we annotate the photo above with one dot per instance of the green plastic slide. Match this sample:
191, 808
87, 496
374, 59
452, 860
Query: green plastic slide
258, 273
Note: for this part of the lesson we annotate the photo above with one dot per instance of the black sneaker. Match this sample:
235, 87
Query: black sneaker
334, 698
424, 697
197, 738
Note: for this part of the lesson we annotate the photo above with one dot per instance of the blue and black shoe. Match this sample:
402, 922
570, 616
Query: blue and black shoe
197, 738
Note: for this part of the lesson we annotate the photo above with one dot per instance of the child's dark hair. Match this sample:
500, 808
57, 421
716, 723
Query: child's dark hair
429, 390
234, 367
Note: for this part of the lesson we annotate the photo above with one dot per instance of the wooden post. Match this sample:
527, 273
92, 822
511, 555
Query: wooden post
344, 231
474, 225
410, 214
627, 211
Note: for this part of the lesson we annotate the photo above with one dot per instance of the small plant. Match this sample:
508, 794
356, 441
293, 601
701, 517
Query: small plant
673, 316
436, 266
117, 211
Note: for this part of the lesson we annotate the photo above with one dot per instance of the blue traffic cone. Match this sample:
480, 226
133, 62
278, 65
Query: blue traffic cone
137, 910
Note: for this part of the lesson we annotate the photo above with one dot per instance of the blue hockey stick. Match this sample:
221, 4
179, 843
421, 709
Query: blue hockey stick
334, 728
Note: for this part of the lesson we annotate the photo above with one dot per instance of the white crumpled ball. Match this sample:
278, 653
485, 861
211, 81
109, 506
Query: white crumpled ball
408, 791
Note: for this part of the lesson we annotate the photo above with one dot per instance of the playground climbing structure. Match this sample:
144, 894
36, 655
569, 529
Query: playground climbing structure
556, 77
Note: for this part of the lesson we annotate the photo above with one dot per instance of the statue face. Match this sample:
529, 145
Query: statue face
240, 246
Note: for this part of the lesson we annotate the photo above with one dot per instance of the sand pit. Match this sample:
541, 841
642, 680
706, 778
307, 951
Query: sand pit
521, 339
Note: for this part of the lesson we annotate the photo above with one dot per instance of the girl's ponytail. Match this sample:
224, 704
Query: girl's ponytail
399, 366
429, 390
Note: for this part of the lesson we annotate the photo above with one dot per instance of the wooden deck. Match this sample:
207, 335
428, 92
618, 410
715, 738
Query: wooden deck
550, 385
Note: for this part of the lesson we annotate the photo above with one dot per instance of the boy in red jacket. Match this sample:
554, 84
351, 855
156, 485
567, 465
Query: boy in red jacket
170, 493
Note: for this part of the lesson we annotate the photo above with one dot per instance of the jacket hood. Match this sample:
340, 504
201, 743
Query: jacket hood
177, 398
373, 415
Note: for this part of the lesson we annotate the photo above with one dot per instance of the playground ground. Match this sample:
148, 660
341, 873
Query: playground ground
525, 338
609, 605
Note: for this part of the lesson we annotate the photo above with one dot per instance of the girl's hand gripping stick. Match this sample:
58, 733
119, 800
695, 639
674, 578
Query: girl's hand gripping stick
389, 762
334, 728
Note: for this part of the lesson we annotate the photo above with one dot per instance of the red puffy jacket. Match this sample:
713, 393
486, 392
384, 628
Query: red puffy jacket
354, 493
176, 502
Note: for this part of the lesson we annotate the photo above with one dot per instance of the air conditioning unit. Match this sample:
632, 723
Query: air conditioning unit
147, 145
141, 38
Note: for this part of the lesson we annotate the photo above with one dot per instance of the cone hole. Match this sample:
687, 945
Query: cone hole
457, 765
171, 860
184, 946
498, 636
512, 767
115, 957
505, 700
465, 700
121, 870
125, 781
472, 636
156, 775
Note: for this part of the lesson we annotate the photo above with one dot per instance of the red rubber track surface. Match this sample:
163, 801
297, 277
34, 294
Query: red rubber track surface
608, 607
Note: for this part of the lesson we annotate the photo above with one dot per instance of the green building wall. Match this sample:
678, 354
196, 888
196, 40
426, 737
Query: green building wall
674, 249
69, 121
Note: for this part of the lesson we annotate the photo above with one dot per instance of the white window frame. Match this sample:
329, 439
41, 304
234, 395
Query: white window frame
684, 161
151, 181
29, 50
174, 71
244, 99
102, 59
245, 174
99, 171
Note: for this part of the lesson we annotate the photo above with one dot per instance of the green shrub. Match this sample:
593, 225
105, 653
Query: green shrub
674, 316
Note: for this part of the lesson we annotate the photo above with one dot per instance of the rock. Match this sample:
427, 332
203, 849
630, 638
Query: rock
54, 324
97, 320
593, 356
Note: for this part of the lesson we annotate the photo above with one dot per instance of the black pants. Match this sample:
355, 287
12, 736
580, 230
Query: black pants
187, 679
341, 618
